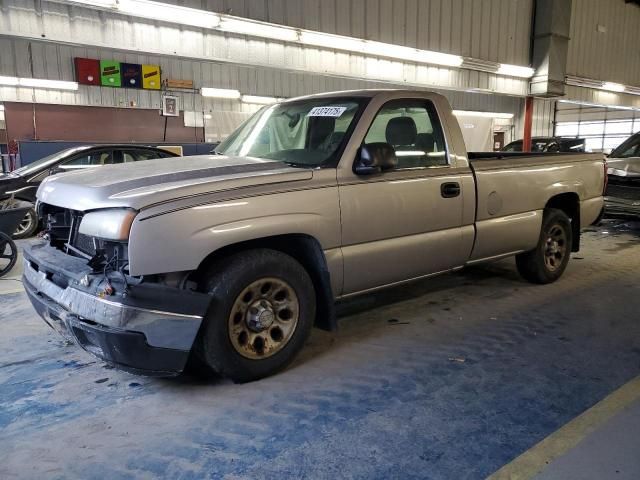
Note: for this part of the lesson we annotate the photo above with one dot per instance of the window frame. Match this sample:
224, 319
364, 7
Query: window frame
432, 113
83, 154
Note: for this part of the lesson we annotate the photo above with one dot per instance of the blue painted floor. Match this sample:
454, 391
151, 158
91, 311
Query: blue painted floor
445, 379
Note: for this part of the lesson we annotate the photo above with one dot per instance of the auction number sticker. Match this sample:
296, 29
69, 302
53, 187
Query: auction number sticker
326, 112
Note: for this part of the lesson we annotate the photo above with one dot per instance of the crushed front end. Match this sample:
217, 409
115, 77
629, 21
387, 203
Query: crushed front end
81, 287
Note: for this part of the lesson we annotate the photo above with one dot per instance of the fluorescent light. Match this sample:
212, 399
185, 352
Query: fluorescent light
613, 87
258, 29
220, 93
42, 83
38, 83
169, 13
8, 81
318, 39
515, 71
259, 100
469, 113
97, 3
378, 49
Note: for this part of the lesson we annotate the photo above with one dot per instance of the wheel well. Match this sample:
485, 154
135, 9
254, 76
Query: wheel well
307, 251
569, 203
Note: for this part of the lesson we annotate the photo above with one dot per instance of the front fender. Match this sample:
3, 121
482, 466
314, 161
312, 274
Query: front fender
179, 240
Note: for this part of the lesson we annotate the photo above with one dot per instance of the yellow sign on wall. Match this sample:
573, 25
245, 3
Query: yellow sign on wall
151, 77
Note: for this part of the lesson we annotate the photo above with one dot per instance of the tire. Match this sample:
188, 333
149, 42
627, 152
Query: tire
8, 254
28, 226
257, 293
548, 261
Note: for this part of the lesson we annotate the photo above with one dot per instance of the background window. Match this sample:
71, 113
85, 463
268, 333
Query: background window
413, 129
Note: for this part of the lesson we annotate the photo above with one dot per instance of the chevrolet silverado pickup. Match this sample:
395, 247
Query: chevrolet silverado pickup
229, 259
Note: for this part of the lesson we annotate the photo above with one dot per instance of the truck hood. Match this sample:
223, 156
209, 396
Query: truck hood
141, 184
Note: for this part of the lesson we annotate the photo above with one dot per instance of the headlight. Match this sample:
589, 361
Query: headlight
110, 224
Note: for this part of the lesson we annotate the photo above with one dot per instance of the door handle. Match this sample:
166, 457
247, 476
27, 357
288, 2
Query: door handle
450, 189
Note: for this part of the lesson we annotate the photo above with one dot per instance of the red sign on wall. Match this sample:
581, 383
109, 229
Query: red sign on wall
87, 71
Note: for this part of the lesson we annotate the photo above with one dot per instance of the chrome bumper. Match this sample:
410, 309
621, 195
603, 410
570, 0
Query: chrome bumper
56, 277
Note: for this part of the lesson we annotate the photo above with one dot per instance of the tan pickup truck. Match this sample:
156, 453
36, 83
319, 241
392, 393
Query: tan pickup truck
230, 259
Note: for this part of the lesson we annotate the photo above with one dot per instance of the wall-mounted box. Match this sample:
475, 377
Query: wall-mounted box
151, 77
87, 71
110, 73
131, 75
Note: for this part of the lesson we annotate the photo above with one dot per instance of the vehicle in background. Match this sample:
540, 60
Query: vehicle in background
624, 160
549, 145
19, 187
232, 258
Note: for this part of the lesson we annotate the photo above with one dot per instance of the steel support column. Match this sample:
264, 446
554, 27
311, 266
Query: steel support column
528, 124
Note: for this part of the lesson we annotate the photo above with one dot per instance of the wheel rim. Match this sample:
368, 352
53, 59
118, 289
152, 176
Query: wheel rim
263, 318
555, 247
25, 224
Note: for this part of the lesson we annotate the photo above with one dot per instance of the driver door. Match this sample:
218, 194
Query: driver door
407, 222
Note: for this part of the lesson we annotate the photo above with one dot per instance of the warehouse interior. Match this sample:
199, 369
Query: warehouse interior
493, 145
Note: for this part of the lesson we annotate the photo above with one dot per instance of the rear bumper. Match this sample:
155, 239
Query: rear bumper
148, 330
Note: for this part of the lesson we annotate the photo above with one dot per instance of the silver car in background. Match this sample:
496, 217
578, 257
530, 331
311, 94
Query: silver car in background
624, 161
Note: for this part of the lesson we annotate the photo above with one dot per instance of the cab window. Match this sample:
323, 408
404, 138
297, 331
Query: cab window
413, 129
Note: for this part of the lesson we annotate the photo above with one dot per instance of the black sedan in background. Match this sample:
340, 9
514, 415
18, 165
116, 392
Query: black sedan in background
549, 145
22, 184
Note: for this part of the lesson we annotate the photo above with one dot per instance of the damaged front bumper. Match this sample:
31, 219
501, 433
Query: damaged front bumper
147, 328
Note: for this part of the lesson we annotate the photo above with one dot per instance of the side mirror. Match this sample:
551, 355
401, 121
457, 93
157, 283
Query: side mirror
54, 170
375, 158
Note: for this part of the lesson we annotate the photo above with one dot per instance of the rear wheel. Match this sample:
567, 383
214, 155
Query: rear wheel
261, 314
548, 261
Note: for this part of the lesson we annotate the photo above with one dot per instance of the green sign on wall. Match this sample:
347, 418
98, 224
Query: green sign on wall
110, 73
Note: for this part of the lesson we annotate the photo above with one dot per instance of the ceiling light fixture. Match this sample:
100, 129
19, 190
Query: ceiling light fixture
169, 13
8, 81
220, 93
258, 29
515, 71
38, 83
470, 113
49, 84
613, 87
260, 100
378, 49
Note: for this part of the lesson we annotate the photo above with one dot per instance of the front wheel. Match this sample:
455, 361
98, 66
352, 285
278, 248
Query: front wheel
548, 261
261, 314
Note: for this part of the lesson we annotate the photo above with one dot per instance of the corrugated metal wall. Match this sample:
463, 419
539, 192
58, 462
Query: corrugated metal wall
82, 26
496, 30
56, 61
605, 35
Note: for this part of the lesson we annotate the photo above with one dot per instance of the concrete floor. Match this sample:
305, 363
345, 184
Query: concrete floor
450, 378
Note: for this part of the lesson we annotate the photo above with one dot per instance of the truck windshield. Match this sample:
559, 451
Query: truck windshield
308, 133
